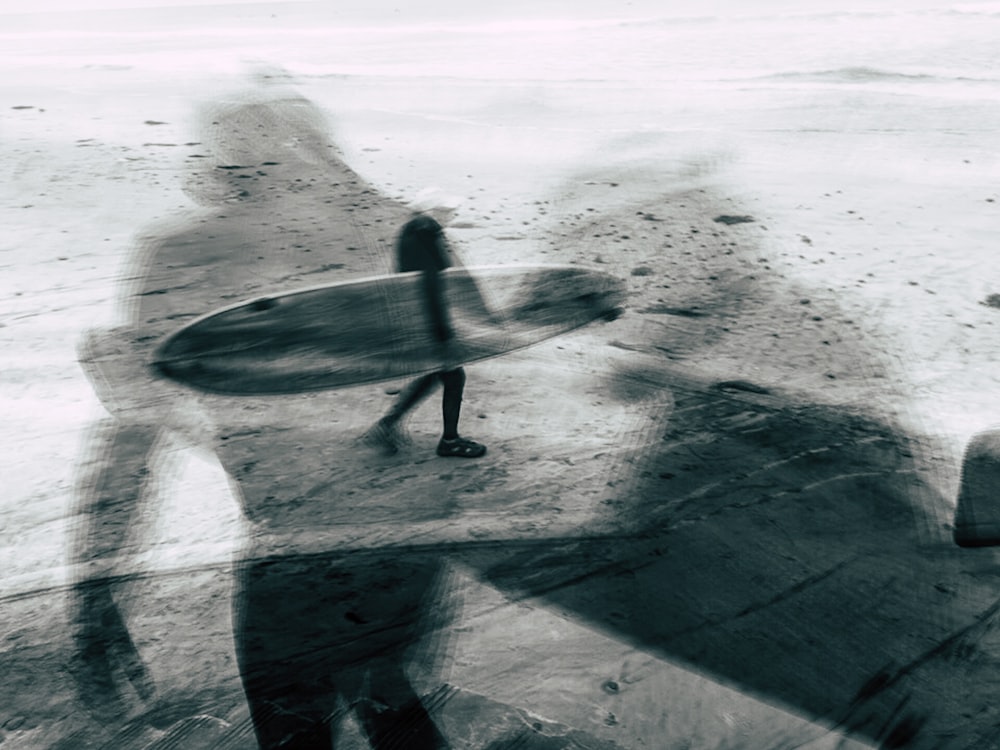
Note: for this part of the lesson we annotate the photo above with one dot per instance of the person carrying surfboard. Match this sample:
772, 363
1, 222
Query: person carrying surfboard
422, 246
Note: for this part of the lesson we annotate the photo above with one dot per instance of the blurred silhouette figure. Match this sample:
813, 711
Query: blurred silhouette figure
316, 634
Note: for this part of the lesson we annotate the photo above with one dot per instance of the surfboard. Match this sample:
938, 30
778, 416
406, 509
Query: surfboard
375, 329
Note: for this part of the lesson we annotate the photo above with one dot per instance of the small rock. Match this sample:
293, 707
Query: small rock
992, 300
642, 271
726, 219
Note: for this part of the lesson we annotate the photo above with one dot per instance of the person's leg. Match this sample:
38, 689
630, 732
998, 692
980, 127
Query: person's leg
412, 395
452, 444
386, 432
451, 401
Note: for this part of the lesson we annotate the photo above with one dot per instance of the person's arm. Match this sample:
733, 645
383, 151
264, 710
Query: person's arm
437, 306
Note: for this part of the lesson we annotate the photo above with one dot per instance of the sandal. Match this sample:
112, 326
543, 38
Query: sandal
460, 448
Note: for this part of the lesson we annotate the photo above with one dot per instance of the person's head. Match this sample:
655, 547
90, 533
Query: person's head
263, 142
436, 203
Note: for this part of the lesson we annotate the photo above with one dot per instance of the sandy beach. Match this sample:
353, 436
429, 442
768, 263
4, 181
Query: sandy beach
723, 520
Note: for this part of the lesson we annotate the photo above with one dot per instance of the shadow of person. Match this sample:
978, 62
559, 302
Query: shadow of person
773, 544
314, 632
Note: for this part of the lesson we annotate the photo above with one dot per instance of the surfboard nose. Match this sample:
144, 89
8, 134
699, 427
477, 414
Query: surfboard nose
607, 295
567, 293
606, 305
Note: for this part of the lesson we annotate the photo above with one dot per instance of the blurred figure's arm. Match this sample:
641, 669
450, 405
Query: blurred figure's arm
108, 506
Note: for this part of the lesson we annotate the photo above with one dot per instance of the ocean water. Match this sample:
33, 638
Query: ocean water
888, 47
752, 70
645, 69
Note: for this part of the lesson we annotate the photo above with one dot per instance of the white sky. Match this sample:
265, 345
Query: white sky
675, 6
44, 6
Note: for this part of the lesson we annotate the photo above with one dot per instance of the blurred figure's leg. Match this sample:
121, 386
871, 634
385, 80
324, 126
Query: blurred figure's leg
314, 630
392, 714
387, 433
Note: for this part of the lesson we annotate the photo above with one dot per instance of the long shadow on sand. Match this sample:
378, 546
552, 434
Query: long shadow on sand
776, 546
